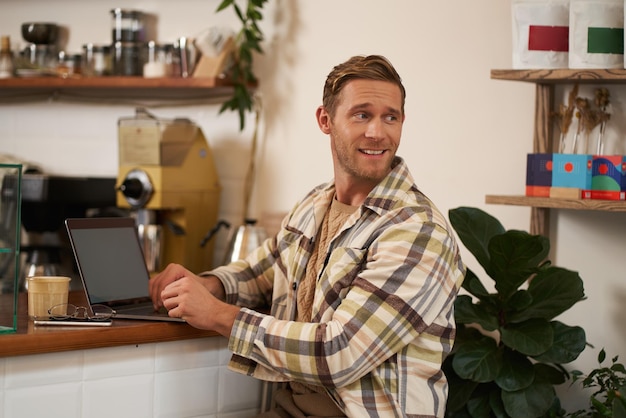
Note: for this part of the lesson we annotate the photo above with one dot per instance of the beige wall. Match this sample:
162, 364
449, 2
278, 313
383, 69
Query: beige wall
465, 135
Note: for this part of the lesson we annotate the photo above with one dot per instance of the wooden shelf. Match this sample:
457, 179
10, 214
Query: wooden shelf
552, 203
545, 81
563, 76
119, 87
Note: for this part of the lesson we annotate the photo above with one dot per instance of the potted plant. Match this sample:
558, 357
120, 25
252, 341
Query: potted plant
608, 383
247, 43
509, 349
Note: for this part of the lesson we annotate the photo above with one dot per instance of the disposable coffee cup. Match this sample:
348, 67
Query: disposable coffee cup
45, 292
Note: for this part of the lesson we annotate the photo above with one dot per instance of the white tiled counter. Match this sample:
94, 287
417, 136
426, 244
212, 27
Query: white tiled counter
186, 378
130, 369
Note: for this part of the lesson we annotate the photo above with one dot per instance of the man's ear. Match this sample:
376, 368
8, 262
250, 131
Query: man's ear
323, 119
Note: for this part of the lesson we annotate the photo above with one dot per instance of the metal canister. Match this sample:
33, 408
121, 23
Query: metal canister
128, 59
127, 26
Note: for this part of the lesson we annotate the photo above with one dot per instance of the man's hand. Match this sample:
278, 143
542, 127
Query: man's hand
175, 272
189, 299
157, 283
197, 300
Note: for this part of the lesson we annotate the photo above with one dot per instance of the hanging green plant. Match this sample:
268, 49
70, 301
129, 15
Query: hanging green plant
247, 42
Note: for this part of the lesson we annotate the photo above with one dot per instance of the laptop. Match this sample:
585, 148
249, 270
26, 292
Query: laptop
111, 266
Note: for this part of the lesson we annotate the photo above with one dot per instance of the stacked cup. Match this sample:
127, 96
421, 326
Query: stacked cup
44, 292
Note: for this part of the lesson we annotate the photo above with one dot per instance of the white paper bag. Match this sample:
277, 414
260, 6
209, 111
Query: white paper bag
596, 36
540, 33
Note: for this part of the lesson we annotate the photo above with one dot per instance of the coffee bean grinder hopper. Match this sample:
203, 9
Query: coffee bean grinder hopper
167, 177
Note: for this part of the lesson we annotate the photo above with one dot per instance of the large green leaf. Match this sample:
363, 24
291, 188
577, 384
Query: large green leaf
549, 374
466, 312
465, 334
516, 372
567, 344
475, 229
460, 391
533, 401
477, 360
520, 300
473, 285
497, 407
531, 337
515, 256
479, 407
554, 290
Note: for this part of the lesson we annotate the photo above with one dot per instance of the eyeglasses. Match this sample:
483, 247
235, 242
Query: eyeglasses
69, 311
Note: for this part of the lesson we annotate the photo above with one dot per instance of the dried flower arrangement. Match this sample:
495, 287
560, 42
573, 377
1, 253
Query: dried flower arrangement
587, 116
564, 116
602, 101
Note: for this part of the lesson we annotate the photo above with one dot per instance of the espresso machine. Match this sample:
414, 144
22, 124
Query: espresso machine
167, 178
47, 200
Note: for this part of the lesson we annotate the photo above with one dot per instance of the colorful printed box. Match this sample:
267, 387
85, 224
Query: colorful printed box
603, 195
608, 178
538, 174
572, 170
608, 172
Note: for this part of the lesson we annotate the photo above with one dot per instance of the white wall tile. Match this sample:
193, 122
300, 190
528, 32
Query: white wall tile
43, 369
119, 361
60, 400
238, 392
2, 373
186, 393
250, 413
188, 354
120, 397
225, 353
174, 379
2, 367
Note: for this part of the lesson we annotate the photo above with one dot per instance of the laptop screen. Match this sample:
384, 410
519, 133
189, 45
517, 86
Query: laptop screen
109, 258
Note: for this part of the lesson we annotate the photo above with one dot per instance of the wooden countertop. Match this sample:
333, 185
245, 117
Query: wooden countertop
31, 339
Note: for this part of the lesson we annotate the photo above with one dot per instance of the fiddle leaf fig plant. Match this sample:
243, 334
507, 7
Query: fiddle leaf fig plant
509, 347
247, 41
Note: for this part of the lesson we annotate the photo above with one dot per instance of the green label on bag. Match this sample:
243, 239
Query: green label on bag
605, 40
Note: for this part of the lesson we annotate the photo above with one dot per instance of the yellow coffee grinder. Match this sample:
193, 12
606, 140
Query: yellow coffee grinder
167, 177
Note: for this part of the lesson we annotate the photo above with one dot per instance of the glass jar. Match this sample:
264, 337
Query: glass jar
40, 56
156, 64
127, 59
96, 60
127, 26
7, 68
69, 64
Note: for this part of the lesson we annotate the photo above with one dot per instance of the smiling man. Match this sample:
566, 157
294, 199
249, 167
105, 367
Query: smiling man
361, 278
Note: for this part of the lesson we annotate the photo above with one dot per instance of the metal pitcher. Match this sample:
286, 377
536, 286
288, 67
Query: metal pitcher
244, 240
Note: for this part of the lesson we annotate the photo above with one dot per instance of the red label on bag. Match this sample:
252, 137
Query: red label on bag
548, 38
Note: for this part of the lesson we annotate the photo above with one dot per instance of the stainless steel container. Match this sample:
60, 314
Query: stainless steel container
128, 59
127, 26
245, 239
150, 237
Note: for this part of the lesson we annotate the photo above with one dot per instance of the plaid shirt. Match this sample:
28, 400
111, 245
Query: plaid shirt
383, 318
